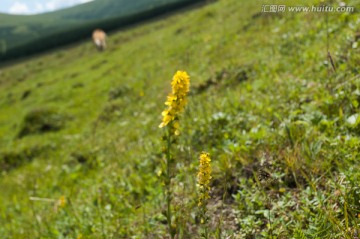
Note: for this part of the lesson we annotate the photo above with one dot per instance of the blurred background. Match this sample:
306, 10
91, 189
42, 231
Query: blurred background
27, 27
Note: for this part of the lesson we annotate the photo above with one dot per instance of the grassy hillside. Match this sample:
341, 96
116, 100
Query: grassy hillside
82, 155
23, 35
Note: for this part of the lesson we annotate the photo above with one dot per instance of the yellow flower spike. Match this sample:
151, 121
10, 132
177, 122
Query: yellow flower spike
176, 101
204, 177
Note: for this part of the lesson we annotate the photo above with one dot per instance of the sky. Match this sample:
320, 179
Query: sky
35, 6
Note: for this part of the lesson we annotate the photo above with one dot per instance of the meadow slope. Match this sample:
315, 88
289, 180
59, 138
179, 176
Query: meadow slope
81, 152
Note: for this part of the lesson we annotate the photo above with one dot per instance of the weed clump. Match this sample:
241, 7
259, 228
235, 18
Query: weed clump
226, 77
87, 158
111, 111
40, 121
13, 159
118, 92
26, 94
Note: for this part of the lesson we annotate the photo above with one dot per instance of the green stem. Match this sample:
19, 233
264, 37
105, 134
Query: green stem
270, 229
206, 230
99, 210
168, 181
204, 218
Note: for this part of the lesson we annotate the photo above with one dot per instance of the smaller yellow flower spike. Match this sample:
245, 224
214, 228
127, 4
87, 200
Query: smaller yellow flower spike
176, 101
62, 202
204, 177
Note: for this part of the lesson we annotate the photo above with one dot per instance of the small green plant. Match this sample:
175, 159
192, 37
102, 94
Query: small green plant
42, 120
176, 102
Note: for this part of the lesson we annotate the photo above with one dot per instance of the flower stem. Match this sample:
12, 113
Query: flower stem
168, 182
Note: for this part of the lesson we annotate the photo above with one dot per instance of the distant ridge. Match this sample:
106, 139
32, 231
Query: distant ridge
26, 35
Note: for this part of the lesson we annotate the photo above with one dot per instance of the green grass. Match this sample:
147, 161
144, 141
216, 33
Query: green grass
263, 98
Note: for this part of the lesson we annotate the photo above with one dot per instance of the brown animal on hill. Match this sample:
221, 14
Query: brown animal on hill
99, 38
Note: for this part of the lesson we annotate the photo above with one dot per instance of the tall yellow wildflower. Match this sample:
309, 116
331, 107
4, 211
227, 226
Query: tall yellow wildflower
176, 101
204, 177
